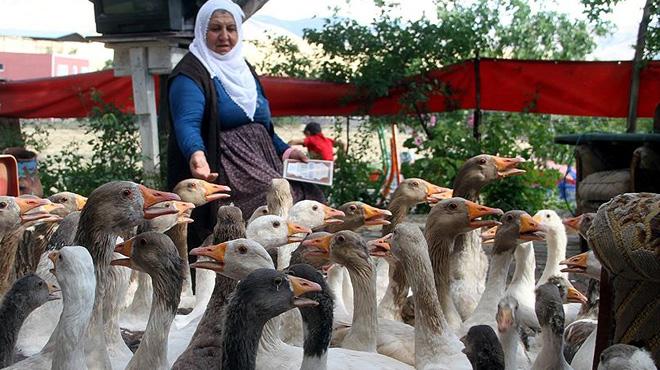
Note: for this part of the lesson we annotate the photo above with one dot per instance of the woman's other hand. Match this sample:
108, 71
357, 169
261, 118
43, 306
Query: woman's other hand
199, 167
299, 155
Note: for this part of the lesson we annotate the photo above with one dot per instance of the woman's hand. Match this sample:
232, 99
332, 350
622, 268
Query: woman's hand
299, 155
199, 167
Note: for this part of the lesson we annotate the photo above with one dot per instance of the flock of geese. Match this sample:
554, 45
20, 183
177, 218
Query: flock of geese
295, 287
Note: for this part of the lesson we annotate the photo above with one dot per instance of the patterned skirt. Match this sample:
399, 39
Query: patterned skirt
248, 163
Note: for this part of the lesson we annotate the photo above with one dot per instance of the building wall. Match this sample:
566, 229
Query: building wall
64, 66
20, 66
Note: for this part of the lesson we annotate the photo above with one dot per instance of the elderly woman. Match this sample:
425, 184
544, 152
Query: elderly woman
222, 129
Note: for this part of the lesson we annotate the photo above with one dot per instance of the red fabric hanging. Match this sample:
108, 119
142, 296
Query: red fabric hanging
556, 87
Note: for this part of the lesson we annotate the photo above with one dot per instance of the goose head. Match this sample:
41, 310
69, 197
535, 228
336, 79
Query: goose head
517, 226
180, 213
581, 223
583, 263
269, 292
414, 191
273, 231
30, 292
567, 292
234, 259
74, 269
482, 169
549, 308
155, 254
550, 220
47, 213
13, 211
457, 216
323, 297
346, 248
314, 214
260, 211
118, 206
407, 239
278, 197
507, 312
361, 214
229, 223
200, 192
71, 201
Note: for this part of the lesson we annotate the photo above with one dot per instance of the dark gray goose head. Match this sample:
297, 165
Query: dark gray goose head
625, 357
483, 349
262, 295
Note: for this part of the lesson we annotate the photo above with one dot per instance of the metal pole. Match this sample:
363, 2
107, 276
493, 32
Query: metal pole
637, 66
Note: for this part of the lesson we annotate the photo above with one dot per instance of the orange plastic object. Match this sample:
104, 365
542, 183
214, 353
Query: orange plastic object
8, 175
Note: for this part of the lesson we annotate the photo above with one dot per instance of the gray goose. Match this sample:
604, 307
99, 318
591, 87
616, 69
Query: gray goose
410, 192
483, 349
25, 295
550, 313
262, 295
155, 254
467, 285
112, 209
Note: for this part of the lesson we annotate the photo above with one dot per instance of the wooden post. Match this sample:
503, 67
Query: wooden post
637, 66
477, 96
144, 97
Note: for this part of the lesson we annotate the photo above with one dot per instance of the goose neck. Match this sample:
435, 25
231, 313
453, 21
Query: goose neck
365, 320
510, 342
12, 318
439, 253
242, 331
496, 281
399, 208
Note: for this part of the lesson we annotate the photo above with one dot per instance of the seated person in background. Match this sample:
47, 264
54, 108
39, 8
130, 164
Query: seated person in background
319, 146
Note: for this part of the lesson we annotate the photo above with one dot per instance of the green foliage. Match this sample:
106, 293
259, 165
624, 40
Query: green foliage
352, 170
37, 140
116, 154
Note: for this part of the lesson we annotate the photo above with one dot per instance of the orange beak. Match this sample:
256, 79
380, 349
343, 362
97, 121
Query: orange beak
80, 202
215, 252
152, 197
125, 248
575, 296
576, 264
27, 204
435, 193
214, 191
319, 246
504, 319
53, 256
330, 214
475, 211
300, 286
380, 247
574, 222
296, 229
530, 229
375, 216
488, 236
507, 166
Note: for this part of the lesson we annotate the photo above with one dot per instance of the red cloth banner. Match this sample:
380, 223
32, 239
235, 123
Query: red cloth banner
556, 87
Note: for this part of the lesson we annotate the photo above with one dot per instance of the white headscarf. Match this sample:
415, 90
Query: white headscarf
230, 68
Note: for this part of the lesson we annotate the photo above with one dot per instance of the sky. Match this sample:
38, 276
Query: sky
65, 16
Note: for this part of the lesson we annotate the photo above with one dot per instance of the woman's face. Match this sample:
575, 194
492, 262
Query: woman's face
222, 33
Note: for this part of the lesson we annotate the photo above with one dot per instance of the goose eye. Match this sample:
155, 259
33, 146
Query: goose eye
3, 205
63, 200
126, 192
41, 283
547, 216
264, 211
192, 185
277, 281
482, 161
143, 241
60, 256
167, 205
414, 183
315, 208
242, 249
509, 217
453, 206
276, 224
340, 238
352, 208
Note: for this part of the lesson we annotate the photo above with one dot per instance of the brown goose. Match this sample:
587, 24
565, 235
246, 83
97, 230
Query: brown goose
200, 193
409, 193
14, 217
467, 284
449, 219
155, 254
204, 352
35, 239
112, 209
